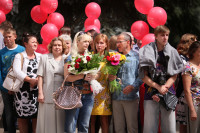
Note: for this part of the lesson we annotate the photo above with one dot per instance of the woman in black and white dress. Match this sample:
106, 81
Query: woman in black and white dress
25, 101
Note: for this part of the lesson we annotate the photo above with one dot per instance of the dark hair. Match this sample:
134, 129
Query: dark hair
193, 48
26, 36
185, 42
65, 30
105, 39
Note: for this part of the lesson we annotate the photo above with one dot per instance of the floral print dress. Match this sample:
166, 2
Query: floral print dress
194, 72
102, 101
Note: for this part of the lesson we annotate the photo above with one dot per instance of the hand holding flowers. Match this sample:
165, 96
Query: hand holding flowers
87, 64
114, 61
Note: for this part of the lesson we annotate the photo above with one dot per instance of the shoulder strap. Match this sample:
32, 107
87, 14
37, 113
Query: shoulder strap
22, 60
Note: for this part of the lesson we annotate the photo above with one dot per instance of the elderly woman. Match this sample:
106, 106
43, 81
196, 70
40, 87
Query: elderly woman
25, 101
191, 83
68, 41
50, 76
79, 116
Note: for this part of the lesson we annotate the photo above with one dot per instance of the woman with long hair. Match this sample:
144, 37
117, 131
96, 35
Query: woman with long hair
79, 117
102, 102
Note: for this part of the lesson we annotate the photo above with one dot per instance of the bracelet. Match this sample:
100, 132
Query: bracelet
84, 76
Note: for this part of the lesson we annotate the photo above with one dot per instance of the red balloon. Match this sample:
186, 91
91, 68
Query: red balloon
48, 32
148, 39
92, 27
49, 6
139, 29
144, 6
2, 16
6, 6
57, 19
38, 15
157, 16
42, 48
92, 10
90, 21
45, 43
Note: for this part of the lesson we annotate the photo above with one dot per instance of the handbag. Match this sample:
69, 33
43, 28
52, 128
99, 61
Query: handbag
169, 100
67, 97
11, 82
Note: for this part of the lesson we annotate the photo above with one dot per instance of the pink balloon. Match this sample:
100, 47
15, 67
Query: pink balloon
148, 39
90, 21
38, 15
42, 48
139, 29
92, 27
157, 16
49, 6
144, 6
48, 32
6, 6
92, 10
2, 16
57, 19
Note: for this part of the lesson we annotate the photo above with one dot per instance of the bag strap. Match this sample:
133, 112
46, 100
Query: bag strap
22, 60
65, 81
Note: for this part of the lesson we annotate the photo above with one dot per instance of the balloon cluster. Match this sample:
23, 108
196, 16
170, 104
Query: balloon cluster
55, 21
155, 16
92, 11
5, 7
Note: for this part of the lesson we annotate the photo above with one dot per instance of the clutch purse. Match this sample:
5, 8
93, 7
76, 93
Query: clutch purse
11, 82
67, 97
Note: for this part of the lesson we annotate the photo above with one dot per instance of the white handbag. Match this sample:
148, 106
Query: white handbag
11, 82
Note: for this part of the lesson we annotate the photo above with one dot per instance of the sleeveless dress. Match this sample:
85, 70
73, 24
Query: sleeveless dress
102, 101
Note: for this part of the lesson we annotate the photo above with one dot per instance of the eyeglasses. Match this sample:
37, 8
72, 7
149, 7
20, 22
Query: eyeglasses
119, 42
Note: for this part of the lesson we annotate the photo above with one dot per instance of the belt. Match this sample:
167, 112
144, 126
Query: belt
85, 91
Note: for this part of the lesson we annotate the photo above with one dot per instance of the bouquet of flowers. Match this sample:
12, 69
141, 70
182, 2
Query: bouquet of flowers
87, 64
114, 60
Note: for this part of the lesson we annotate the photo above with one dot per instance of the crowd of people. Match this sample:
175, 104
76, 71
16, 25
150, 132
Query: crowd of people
165, 74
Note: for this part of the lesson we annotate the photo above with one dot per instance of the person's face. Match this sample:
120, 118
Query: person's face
57, 48
139, 43
162, 38
32, 44
68, 45
83, 45
100, 46
196, 54
9, 40
122, 44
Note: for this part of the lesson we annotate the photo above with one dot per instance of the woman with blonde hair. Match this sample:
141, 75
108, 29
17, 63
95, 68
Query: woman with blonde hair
50, 77
79, 117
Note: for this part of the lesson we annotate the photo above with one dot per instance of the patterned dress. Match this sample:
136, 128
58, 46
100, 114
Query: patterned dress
194, 72
102, 101
25, 100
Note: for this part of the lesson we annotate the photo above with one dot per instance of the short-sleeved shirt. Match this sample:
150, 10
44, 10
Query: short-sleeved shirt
194, 72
